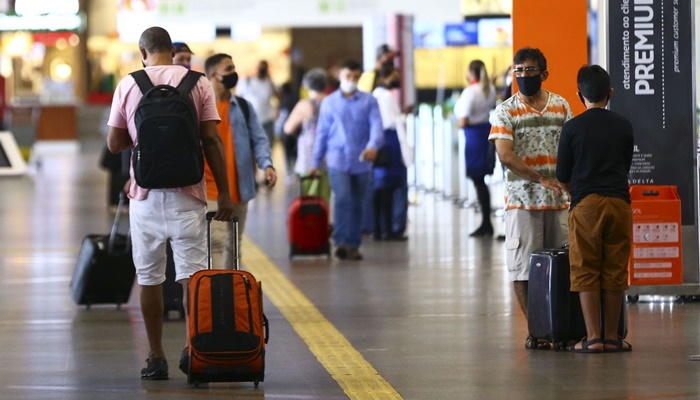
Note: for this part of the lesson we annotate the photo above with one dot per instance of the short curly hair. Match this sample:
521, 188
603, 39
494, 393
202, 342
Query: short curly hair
528, 53
315, 79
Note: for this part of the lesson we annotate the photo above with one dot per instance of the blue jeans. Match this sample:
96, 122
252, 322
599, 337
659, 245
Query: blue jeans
400, 209
348, 195
368, 208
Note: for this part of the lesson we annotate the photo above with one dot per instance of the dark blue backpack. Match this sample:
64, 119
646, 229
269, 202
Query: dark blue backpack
168, 153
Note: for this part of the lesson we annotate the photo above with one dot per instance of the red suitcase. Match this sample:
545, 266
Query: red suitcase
308, 226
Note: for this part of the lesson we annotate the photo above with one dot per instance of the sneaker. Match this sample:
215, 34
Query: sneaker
184, 361
156, 370
396, 237
354, 254
341, 252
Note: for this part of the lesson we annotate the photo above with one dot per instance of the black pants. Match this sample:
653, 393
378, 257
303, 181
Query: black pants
118, 167
484, 197
383, 210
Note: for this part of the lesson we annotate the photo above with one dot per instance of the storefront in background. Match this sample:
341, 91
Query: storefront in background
41, 53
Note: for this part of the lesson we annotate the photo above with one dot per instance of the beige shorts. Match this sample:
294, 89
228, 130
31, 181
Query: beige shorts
530, 230
163, 216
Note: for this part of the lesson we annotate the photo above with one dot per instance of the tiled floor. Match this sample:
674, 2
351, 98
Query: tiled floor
435, 316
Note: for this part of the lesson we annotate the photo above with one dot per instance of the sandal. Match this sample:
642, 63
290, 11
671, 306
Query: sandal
536, 344
621, 346
585, 346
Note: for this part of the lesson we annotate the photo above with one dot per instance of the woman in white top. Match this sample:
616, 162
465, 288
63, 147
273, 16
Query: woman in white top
302, 121
472, 112
389, 180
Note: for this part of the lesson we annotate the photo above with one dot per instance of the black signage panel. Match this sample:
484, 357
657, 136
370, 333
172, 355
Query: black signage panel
650, 64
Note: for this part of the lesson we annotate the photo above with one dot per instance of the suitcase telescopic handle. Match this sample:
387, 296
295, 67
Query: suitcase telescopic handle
237, 258
316, 177
115, 225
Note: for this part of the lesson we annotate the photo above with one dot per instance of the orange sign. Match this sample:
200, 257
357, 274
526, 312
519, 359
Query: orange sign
656, 254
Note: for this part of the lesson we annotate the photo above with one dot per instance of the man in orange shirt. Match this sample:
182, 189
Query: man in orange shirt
245, 145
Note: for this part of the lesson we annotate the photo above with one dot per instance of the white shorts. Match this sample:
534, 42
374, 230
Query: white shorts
530, 230
164, 215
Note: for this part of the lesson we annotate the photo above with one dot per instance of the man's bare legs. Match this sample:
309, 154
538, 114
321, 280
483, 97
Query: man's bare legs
185, 283
590, 305
612, 307
185, 357
520, 288
152, 311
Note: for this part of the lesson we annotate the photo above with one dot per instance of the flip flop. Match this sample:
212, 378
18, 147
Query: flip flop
585, 346
621, 346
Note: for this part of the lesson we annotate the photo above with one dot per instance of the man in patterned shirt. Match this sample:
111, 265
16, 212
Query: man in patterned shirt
526, 129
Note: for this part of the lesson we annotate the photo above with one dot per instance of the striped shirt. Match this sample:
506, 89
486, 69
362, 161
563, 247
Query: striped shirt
535, 135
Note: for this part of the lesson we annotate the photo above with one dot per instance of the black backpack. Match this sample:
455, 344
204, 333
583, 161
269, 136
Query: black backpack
169, 151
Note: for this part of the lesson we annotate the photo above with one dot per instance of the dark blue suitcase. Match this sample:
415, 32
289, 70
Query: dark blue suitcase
554, 311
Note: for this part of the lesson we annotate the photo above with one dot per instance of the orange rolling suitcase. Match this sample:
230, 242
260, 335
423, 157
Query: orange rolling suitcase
227, 329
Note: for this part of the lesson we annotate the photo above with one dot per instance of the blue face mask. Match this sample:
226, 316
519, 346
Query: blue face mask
529, 85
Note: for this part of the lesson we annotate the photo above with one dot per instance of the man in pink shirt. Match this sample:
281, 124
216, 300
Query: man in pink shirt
159, 215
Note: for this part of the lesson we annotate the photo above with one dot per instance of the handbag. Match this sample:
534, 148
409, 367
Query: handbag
382, 158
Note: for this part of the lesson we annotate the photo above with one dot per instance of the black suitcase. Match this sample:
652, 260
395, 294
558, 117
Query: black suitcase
172, 291
554, 311
104, 272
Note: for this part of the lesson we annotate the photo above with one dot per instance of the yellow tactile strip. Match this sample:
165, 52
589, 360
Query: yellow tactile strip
358, 379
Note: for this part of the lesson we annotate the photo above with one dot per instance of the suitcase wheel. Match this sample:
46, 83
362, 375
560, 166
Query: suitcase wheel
292, 250
256, 383
633, 299
559, 346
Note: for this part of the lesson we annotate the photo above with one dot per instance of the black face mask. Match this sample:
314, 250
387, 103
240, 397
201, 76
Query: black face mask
395, 84
230, 80
529, 85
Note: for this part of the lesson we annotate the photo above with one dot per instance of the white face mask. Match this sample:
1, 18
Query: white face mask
348, 86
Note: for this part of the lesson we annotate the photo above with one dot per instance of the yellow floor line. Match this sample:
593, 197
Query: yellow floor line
358, 379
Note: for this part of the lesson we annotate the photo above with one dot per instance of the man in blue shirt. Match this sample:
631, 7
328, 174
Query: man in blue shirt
348, 134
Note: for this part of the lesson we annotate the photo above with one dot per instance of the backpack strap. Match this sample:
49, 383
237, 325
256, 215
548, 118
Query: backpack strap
188, 82
142, 79
243, 104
